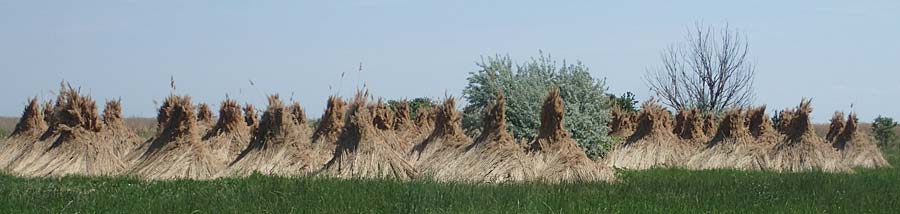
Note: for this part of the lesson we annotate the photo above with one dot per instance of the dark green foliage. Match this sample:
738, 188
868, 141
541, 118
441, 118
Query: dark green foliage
414, 105
776, 118
626, 102
526, 86
884, 130
4, 133
650, 191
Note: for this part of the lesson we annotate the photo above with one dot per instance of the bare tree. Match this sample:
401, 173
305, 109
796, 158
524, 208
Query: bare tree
709, 71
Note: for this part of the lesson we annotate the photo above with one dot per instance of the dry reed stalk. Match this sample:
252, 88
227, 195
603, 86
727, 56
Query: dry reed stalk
446, 142
279, 146
115, 131
298, 113
710, 124
363, 151
331, 125
402, 121
407, 131
383, 115
622, 124
556, 156
760, 124
177, 151
857, 149
734, 146
204, 114
801, 149
689, 126
836, 127
230, 135
76, 146
384, 119
251, 118
653, 144
47, 110
28, 130
205, 119
494, 157
425, 118
785, 117
762, 129
32, 120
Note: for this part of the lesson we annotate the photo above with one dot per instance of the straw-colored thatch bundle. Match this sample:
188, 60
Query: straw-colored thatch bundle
280, 146
403, 123
251, 118
622, 124
23, 146
115, 131
425, 118
653, 143
298, 114
32, 123
710, 125
836, 127
494, 157
331, 125
446, 142
382, 115
75, 146
857, 149
230, 135
205, 119
363, 151
384, 120
205, 115
177, 150
31, 126
801, 149
689, 126
557, 157
762, 129
47, 110
734, 147
761, 126
408, 132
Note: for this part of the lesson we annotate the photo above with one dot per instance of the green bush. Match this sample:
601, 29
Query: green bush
626, 102
414, 105
776, 119
525, 87
883, 129
4, 133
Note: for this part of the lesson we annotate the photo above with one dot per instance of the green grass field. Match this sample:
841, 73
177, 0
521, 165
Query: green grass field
660, 190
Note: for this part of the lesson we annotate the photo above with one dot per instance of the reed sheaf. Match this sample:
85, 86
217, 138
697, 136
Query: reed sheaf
363, 137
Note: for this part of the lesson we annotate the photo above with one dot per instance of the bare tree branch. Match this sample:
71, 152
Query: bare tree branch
711, 71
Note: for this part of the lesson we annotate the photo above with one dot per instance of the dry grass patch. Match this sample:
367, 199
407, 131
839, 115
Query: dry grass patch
801, 149
857, 149
653, 143
280, 145
75, 143
556, 156
177, 150
363, 151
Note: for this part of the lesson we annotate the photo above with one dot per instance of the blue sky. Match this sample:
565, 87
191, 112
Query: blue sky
836, 52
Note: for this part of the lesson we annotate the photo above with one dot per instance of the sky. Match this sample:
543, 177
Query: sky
839, 53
